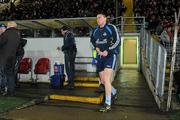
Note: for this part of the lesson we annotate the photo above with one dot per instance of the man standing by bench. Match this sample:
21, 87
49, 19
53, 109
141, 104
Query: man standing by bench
70, 50
9, 42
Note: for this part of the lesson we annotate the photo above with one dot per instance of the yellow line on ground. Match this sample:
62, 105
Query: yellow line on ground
93, 100
87, 78
84, 84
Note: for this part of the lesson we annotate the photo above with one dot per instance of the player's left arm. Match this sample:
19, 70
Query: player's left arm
116, 39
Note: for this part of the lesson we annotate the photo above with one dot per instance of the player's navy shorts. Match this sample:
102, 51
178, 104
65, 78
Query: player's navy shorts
106, 62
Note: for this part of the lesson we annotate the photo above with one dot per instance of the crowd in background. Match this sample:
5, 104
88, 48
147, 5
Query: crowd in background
159, 13
46, 9
49, 9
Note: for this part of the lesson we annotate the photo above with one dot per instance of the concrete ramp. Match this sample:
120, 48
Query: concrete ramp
133, 90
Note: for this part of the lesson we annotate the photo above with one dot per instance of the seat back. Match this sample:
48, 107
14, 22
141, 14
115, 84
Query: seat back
42, 66
25, 66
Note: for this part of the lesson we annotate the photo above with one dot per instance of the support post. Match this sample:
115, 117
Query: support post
173, 61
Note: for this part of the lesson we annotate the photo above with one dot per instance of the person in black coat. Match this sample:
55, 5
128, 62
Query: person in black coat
70, 50
19, 56
9, 42
3, 79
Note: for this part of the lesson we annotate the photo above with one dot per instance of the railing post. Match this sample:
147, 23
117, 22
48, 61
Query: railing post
117, 10
122, 25
173, 60
157, 74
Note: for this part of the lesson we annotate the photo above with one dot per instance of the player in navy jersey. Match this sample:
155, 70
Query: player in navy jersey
106, 41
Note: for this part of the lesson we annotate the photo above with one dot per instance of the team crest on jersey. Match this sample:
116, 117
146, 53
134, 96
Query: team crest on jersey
104, 34
104, 41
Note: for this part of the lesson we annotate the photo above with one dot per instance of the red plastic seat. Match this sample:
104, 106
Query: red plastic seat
42, 67
25, 67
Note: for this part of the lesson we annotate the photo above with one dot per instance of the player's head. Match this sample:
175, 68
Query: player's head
64, 29
101, 19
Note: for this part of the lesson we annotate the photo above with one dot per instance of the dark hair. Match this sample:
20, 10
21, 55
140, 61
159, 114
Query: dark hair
101, 12
65, 28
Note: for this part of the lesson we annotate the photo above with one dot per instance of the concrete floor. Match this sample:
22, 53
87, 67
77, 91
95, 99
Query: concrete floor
135, 102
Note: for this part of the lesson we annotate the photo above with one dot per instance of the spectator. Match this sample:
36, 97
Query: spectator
154, 16
167, 35
70, 50
3, 78
10, 41
19, 56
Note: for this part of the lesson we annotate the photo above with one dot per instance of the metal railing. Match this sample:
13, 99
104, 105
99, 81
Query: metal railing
169, 48
154, 65
130, 24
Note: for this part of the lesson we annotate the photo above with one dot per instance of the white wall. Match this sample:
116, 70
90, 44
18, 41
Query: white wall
46, 47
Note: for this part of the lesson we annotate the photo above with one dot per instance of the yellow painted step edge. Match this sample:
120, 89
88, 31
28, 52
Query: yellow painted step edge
93, 85
93, 100
87, 78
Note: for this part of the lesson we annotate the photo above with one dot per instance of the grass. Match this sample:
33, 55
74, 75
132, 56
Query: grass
174, 115
8, 103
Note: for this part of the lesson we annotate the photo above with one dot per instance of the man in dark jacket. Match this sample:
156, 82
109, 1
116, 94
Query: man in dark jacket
70, 50
3, 79
19, 56
9, 42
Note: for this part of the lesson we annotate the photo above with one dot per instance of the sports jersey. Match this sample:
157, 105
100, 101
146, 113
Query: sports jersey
106, 38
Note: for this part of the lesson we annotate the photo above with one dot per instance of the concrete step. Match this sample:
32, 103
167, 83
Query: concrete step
92, 100
87, 79
84, 95
78, 94
85, 84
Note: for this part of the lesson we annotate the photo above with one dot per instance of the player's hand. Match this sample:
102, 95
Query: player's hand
104, 53
98, 51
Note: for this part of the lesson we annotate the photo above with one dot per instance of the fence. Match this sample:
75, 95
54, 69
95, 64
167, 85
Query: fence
130, 24
169, 48
154, 65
